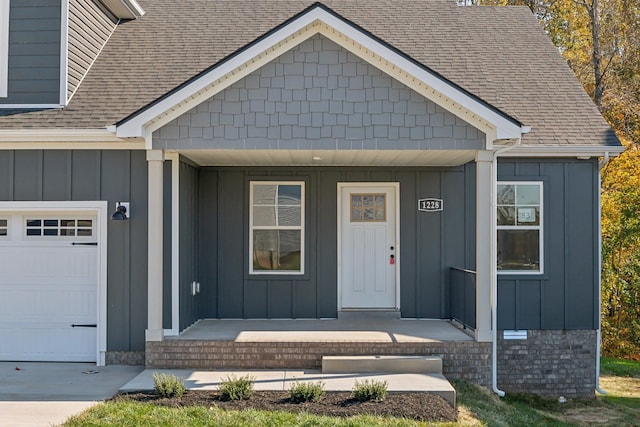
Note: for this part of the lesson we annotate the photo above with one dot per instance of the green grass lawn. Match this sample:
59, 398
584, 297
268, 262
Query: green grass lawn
477, 406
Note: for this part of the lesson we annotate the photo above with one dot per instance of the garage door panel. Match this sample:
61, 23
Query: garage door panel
35, 264
46, 286
37, 303
42, 342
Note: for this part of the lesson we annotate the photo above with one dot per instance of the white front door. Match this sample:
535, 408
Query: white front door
48, 286
368, 264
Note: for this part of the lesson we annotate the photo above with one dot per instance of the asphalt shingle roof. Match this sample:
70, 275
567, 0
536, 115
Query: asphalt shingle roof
499, 54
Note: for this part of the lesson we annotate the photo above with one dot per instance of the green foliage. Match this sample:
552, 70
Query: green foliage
166, 385
370, 390
619, 367
237, 388
306, 392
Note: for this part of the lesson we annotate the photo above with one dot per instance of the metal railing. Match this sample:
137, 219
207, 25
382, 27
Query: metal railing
462, 302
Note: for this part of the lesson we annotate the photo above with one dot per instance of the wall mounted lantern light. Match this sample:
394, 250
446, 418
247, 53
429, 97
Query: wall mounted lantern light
122, 211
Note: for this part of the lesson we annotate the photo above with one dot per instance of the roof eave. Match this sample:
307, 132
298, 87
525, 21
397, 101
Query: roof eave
124, 9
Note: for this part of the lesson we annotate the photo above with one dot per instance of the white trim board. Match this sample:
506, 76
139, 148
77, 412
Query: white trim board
318, 20
101, 210
64, 52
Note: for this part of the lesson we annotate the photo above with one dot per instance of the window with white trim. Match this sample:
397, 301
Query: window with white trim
519, 223
4, 47
276, 227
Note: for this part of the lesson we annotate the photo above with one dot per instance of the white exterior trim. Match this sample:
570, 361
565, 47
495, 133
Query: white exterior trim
4, 47
320, 21
340, 188
64, 51
563, 151
175, 244
68, 136
100, 209
30, 106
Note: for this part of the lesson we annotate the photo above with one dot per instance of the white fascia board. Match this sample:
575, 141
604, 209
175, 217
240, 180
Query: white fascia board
69, 136
29, 106
4, 48
303, 27
124, 9
564, 151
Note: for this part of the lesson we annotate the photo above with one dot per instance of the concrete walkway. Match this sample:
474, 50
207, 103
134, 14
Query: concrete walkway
42, 394
284, 379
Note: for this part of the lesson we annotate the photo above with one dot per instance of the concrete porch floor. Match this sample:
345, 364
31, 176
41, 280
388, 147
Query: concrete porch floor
358, 328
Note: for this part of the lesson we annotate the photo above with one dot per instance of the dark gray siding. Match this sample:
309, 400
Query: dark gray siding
318, 96
430, 242
188, 243
90, 26
565, 296
37, 175
34, 52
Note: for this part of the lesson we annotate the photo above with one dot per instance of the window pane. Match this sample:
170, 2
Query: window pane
528, 216
506, 195
289, 215
84, 232
66, 232
3, 222
84, 223
33, 223
33, 232
528, 195
3, 231
518, 250
264, 194
289, 195
506, 215
276, 250
67, 223
264, 215
50, 222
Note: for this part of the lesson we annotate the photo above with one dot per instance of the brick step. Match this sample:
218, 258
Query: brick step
395, 364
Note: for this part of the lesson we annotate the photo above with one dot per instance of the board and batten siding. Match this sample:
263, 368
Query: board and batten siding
429, 243
565, 296
90, 26
34, 52
81, 175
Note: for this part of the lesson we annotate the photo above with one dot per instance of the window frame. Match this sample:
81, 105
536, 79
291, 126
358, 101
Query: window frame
301, 227
539, 227
4, 47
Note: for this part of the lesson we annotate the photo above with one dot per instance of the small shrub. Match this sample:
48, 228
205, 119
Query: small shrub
370, 390
234, 388
166, 385
306, 392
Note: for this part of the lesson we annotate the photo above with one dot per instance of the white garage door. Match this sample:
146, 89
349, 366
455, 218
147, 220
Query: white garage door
48, 287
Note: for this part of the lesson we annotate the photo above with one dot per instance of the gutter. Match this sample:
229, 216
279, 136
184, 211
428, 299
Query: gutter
601, 164
494, 265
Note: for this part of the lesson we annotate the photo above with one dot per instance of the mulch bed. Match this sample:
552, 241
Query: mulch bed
417, 406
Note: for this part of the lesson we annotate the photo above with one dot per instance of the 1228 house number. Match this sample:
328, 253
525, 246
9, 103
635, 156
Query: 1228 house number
430, 205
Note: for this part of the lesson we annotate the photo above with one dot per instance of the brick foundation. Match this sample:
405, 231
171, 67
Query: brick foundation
551, 363
468, 360
134, 358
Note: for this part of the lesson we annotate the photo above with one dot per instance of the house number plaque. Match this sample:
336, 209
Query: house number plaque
430, 205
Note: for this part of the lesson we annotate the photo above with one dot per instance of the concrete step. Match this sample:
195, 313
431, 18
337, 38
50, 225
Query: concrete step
374, 315
380, 364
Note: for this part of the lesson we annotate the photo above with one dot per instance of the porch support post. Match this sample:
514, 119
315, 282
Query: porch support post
154, 330
484, 244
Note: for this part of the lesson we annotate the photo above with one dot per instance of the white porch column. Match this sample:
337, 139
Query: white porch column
484, 244
154, 330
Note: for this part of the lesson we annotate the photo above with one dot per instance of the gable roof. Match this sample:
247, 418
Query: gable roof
498, 54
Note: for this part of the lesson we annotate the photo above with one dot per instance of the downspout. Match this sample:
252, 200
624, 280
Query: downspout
494, 266
601, 165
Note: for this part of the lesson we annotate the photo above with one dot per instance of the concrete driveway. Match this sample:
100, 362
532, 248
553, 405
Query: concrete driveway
44, 394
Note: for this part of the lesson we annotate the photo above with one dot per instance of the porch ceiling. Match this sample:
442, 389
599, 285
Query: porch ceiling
329, 157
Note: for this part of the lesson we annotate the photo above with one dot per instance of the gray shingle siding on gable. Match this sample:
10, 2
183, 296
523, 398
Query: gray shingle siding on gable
318, 96
34, 52
89, 29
